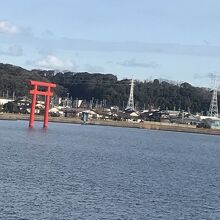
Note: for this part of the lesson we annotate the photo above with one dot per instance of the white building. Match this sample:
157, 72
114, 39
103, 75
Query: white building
4, 101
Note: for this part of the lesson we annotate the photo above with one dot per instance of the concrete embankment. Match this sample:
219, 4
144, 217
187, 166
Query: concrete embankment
159, 126
143, 125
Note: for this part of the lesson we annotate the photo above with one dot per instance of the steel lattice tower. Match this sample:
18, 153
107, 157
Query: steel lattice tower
213, 110
130, 105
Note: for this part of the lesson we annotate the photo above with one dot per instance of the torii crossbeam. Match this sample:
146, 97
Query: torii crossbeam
34, 92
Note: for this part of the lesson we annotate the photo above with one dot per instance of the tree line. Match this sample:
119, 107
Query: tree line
83, 85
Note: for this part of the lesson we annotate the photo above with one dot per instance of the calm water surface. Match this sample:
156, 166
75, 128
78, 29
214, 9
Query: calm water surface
95, 172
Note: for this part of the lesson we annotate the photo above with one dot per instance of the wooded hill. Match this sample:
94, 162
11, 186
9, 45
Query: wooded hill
107, 87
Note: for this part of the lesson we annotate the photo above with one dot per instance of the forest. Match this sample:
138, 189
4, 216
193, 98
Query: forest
83, 85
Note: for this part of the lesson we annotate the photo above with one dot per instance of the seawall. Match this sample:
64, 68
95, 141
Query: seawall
142, 125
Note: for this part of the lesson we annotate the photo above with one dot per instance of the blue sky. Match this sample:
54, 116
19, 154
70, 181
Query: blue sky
172, 39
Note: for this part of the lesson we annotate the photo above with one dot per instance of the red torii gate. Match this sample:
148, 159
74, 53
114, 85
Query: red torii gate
36, 92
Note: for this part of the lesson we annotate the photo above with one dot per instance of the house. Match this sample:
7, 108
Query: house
151, 115
4, 101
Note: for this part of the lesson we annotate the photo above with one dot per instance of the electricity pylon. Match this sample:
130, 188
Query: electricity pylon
130, 105
213, 109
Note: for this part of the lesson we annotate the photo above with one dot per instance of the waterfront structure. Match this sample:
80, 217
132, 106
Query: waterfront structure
130, 105
211, 123
85, 116
47, 95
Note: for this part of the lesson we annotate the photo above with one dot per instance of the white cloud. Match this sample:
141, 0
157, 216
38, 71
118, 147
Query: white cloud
13, 50
134, 63
8, 28
93, 68
47, 33
53, 62
127, 46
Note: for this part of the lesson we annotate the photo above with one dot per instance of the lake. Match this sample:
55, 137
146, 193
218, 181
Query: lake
96, 172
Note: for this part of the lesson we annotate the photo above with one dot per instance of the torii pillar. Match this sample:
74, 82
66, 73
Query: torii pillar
47, 94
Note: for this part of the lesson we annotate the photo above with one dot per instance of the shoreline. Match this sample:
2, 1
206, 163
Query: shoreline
143, 125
